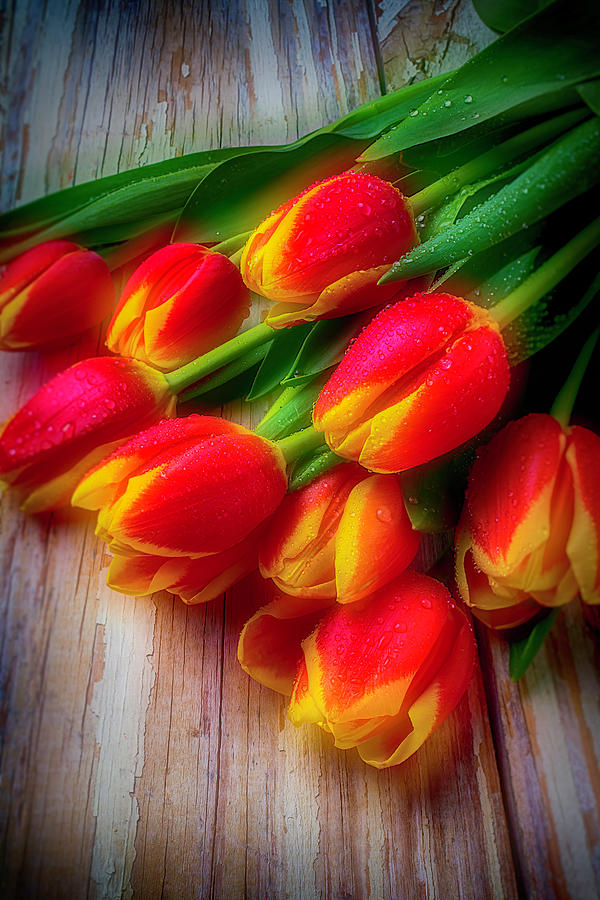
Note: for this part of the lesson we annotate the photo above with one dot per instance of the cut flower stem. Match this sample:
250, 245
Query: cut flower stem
547, 276
493, 160
300, 443
565, 400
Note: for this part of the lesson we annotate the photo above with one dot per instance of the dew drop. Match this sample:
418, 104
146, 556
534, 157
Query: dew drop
447, 102
468, 99
384, 514
426, 604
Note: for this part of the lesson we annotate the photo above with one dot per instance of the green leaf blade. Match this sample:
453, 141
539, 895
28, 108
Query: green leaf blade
551, 50
565, 170
522, 653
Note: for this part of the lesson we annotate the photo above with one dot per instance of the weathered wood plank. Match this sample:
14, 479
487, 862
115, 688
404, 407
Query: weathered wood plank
137, 756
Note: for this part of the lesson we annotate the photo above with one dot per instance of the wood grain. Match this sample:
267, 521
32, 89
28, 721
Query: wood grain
137, 758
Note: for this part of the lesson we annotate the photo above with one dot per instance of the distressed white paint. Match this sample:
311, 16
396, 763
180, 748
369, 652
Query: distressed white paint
119, 701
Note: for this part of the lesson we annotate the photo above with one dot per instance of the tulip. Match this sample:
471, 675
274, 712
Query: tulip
321, 253
383, 673
182, 505
422, 378
52, 293
270, 645
529, 534
181, 302
73, 421
343, 536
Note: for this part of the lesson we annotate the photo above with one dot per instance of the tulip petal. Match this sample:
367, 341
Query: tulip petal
58, 491
51, 293
375, 541
210, 502
298, 551
384, 672
430, 708
387, 352
344, 223
269, 648
444, 411
94, 403
106, 482
194, 580
583, 457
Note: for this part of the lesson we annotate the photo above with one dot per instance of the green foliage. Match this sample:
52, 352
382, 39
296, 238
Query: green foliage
545, 53
522, 653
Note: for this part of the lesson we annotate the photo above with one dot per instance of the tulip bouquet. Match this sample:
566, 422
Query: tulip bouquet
385, 381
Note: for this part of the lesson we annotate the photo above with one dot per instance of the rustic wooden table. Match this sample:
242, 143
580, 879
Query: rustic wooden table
137, 758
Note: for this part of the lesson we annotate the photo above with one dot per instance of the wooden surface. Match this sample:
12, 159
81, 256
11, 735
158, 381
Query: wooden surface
137, 759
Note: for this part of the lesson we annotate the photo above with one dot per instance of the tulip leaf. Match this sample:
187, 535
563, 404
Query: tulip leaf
590, 94
372, 118
276, 364
552, 49
502, 15
292, 412
240, 192
442, 155
545, 321
309, 467
522, 653
324, 347
235, 387
565, 170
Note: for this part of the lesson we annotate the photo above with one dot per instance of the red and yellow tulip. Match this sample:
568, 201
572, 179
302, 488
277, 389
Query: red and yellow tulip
181, 302
422, 378
529, 534
73, 421
383, 673
183, 504
52, 293
343, 536
270, 645
321, 253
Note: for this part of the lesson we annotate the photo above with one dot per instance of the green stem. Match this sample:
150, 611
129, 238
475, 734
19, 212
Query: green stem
492, 160
547, 276
227, 373
206, 364
232, 244
565, 400
236, 257
301, 442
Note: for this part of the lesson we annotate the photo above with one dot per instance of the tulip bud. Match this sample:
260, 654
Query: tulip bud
181, 302
343, 536
422, 378
73, 421
182, 505
322, 253
52, 293
529, 534
382, 674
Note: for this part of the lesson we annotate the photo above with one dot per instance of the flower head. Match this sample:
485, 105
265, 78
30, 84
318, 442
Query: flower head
73, 421
383, 673
181, 302
529, 534
321, 253
342, 537
51, 293
183, 504
422, 378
